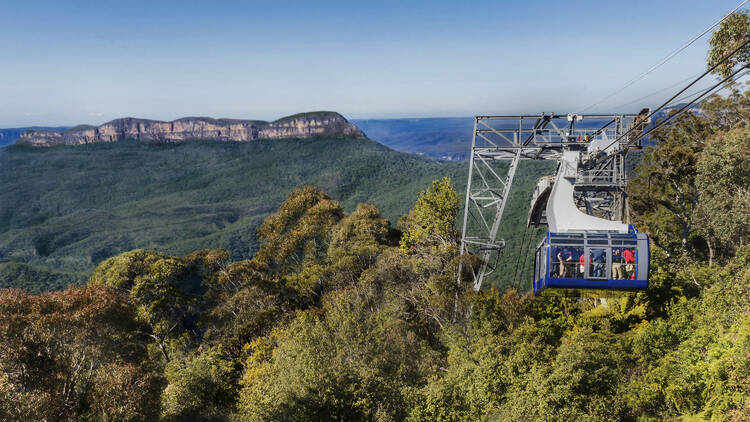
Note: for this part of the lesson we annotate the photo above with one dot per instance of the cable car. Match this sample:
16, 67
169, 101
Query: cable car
583, 251
589, 244
610, 261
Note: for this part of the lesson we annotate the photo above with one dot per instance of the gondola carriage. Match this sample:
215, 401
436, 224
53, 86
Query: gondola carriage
608, 261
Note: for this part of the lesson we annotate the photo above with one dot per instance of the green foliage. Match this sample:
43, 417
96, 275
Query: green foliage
341, 324
299, 232
693, 360
160, 286
351, 364
734, 31
82, 204
431, 225
356, 243
16, 275
663, 194
201, 387
723, 180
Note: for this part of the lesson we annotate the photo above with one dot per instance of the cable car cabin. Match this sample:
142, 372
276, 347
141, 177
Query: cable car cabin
613, 261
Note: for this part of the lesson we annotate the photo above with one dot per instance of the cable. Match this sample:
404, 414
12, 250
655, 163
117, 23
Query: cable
621, 106
664, 60
709, 70
679, 100
678, 112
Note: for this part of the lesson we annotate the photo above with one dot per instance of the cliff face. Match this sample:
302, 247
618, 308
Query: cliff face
304, 125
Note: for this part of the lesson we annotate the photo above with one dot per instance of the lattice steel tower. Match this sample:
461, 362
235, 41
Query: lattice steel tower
498, 145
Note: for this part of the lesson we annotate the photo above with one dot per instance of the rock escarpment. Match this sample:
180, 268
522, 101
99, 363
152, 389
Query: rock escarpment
304, 125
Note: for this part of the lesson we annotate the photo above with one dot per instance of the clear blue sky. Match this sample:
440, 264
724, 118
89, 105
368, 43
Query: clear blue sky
69, 62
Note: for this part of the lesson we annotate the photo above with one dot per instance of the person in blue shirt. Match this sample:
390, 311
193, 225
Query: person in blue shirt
598, 259
563, 257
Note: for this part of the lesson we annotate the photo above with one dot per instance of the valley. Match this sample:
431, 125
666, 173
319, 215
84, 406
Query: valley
65, 209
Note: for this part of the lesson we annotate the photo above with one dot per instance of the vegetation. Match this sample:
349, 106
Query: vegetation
341, 316
63, 210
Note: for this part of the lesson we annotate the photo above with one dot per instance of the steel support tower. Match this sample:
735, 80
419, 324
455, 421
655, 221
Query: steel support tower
500, 143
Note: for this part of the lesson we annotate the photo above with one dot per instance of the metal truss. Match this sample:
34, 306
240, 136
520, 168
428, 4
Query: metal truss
500, 143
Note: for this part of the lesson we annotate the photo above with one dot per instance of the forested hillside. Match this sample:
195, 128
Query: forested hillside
344, 315
65, 209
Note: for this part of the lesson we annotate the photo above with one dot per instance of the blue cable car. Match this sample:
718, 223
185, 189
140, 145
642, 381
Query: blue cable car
610, 261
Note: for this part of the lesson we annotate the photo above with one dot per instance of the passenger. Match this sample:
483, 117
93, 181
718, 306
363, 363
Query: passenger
581, 265
563, 257
555, 270
618, 272
599, 260
628, 255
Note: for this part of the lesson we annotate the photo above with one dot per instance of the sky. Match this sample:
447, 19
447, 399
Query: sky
72, 62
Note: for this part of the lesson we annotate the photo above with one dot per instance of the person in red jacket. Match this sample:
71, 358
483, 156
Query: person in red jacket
628, 255
581, 264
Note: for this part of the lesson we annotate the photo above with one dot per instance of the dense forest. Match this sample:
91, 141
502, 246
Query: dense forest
346, 316
63, 210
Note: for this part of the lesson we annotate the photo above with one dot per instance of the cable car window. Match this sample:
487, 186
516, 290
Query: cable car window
537, 267
597, 263
560, 257
564, 262
629, 256
541, 265
623, 263
578, 267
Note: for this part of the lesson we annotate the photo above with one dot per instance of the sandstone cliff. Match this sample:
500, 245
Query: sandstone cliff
304, 125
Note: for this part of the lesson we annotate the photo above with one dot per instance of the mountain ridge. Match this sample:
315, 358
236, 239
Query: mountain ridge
301, 125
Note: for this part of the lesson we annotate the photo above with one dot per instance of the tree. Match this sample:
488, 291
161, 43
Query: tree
356, 242
723, 182
663, 195
157, 285
57, 349
430, 227
200, 387
430, 240
250, 305
125, 392
299, 232
353, 360
581, 383
734, 31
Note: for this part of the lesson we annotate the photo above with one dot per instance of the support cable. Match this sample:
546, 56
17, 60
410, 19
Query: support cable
709, 70
679, 100
686, 106
639, 100
664, 60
